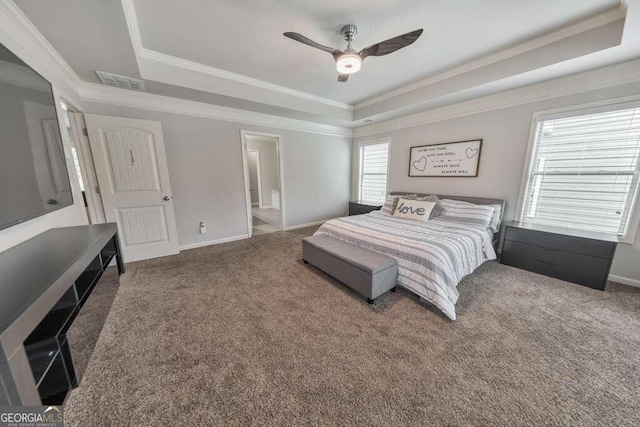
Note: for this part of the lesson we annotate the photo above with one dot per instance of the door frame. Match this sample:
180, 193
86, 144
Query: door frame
80, 141
259, 175
245, 169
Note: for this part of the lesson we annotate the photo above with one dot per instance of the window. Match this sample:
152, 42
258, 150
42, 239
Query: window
76, 163
583, 172
374, 161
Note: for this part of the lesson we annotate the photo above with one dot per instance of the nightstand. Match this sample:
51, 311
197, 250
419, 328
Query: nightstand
577, 256
362, 207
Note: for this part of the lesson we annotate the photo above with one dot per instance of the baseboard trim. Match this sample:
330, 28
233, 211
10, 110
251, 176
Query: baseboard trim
310, 224
213, 242
624, 280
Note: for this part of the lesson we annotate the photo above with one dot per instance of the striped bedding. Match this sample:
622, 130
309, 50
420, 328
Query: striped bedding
432, 256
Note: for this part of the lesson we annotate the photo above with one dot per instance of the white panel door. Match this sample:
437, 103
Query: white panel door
131, 166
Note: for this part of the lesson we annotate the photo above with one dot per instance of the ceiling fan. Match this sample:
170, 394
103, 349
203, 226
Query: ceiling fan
349, 61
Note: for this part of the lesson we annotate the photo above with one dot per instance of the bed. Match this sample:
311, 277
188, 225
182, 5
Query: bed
432, 256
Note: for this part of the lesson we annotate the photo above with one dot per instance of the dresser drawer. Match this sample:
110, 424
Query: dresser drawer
570, 266
594, 248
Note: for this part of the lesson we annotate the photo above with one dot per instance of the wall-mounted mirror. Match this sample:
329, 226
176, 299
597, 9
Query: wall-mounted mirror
33, 170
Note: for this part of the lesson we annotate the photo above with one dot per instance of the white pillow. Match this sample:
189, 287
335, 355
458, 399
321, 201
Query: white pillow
495, 220
467, 213
418, 210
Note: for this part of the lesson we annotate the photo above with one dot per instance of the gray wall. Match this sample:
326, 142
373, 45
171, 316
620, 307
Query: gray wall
505, 133
205, 167
269, 170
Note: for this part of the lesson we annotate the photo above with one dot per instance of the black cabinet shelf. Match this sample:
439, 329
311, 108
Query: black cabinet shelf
106, 259
88, 278
109, 251
56, 398
41, 356
52, 368
49, 355
58, 320
54, 324
85, 291
55, 380
47, 348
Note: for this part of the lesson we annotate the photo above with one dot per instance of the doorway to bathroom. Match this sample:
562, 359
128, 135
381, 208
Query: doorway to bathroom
263, 174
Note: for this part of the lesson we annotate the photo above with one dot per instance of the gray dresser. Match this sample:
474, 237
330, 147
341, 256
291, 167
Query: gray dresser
577, 256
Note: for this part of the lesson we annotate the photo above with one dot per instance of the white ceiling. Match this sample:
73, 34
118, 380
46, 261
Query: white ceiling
90, 35
245, 36
232, 53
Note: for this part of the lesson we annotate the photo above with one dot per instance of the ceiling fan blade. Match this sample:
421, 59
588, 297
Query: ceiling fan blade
302, 39
343, 77
391, 45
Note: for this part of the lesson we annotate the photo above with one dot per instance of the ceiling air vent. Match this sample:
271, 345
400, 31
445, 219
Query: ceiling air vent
117, 80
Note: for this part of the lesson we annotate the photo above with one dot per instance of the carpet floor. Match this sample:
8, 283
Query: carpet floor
245, 333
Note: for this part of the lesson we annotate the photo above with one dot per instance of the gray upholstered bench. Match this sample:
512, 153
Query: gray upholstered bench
368, 272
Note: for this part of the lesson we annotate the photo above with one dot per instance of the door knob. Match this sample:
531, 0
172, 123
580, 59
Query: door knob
166, 198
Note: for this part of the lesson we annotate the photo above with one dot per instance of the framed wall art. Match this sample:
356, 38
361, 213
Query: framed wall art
452, 159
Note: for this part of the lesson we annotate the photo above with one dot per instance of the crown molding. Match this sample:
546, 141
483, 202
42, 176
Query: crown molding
235, 77
91, 92
131, 19
33, 48
148, 54
519, 49
602, 78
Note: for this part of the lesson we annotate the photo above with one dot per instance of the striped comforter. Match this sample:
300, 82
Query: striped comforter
432, 256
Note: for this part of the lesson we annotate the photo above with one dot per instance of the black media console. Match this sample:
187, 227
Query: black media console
45, 285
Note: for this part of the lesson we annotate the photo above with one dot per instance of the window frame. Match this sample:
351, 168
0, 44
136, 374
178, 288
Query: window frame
360, 152
572, 111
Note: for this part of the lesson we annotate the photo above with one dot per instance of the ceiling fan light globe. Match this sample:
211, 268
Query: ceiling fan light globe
349, 63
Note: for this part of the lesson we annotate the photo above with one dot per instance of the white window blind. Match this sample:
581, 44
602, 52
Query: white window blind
583, 172
373, 172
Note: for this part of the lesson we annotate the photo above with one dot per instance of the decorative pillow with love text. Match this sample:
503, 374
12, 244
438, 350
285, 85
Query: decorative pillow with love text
414, 209
392, 202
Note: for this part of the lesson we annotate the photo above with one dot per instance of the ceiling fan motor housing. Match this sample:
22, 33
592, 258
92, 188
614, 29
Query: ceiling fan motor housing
349, 32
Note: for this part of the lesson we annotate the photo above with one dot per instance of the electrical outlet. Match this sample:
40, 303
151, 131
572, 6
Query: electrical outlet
203, 228
317, 210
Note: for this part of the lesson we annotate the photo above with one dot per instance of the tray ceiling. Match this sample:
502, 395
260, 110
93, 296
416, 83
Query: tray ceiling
233, 53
